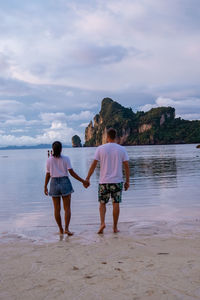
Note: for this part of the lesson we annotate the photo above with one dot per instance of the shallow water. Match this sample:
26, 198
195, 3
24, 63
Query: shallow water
164, 187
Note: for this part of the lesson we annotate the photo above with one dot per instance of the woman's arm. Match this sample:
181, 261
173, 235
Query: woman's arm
73, 174
47, 177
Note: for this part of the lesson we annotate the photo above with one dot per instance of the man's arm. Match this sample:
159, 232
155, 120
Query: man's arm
127, 175
73, 174
47, 177
91, 170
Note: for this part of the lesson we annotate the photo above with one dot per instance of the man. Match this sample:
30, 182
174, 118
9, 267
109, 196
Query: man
112, 158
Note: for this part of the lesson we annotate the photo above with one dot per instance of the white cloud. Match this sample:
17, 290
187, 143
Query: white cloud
12, 140
84, 125
39, 106
57, 131
18, 130
194, 116
16, 120
147, 107
19, 120
83, 115
10, 106
185, 103
86, 104
127, 9
70, 93
4, 64
185, 108
52, 117
91, 32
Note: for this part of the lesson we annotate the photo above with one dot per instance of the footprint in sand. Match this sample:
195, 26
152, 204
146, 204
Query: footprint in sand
89, 276
118, 269
52, 280
150, 266
149, 292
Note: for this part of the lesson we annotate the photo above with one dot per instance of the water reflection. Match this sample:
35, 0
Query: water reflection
162, 171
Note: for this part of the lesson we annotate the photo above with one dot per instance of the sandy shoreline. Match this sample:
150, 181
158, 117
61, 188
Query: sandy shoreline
112, 266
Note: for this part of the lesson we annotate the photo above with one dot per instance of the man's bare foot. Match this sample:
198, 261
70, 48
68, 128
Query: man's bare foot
115, 230
69, 232
101, 229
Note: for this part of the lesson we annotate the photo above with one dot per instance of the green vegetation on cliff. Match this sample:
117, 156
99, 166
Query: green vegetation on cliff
157, 126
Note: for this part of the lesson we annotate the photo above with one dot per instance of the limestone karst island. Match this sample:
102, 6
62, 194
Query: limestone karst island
76, 141
154, 127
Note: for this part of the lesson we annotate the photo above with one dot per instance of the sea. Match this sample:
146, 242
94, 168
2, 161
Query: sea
164, 193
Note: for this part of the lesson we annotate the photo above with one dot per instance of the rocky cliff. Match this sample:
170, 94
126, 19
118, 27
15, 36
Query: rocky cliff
157, 126
76, 141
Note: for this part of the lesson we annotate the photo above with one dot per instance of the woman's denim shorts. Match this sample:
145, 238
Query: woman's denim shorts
60, 186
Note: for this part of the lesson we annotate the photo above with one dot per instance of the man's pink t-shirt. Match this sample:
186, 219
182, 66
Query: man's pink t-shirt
111, 157
58, 166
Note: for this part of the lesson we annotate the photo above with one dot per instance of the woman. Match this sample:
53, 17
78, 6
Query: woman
57, 168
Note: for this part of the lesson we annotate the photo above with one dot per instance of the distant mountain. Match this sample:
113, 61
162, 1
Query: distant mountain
41, 146
157, 126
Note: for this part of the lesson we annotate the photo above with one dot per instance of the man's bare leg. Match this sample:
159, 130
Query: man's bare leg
56, 203
67, 209
116, 211
102, 212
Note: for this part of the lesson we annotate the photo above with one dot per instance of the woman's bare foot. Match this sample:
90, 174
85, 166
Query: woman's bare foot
115, 230
101, 229
61, 231
68, 232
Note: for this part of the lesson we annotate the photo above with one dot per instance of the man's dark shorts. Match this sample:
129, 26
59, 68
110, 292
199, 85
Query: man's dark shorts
113, 190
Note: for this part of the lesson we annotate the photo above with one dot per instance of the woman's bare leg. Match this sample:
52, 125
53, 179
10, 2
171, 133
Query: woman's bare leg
67, 208
56, 203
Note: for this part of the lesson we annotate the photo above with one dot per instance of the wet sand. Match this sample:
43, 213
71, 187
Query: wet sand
145, 262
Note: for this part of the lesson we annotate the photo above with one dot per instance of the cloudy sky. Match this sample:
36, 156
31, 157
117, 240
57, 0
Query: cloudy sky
60, 58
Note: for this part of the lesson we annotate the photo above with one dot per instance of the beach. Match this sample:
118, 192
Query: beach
155, 255
154, 262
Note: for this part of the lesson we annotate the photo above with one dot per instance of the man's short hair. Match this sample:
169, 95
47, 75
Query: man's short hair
112, 133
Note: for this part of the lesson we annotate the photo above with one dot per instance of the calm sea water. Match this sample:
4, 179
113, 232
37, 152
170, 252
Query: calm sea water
164, 187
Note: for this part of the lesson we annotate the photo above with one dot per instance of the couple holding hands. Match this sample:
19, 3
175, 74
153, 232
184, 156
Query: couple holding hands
112, 158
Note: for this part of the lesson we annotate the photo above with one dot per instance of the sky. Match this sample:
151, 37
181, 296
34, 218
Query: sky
60, 58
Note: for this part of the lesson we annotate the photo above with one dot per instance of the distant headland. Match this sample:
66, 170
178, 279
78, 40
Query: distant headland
154, 127
40, 146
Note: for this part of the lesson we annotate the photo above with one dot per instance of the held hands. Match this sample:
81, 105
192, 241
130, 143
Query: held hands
126, 186
86, 183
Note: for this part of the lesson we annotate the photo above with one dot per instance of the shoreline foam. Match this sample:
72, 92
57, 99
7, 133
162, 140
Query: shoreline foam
138, 228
